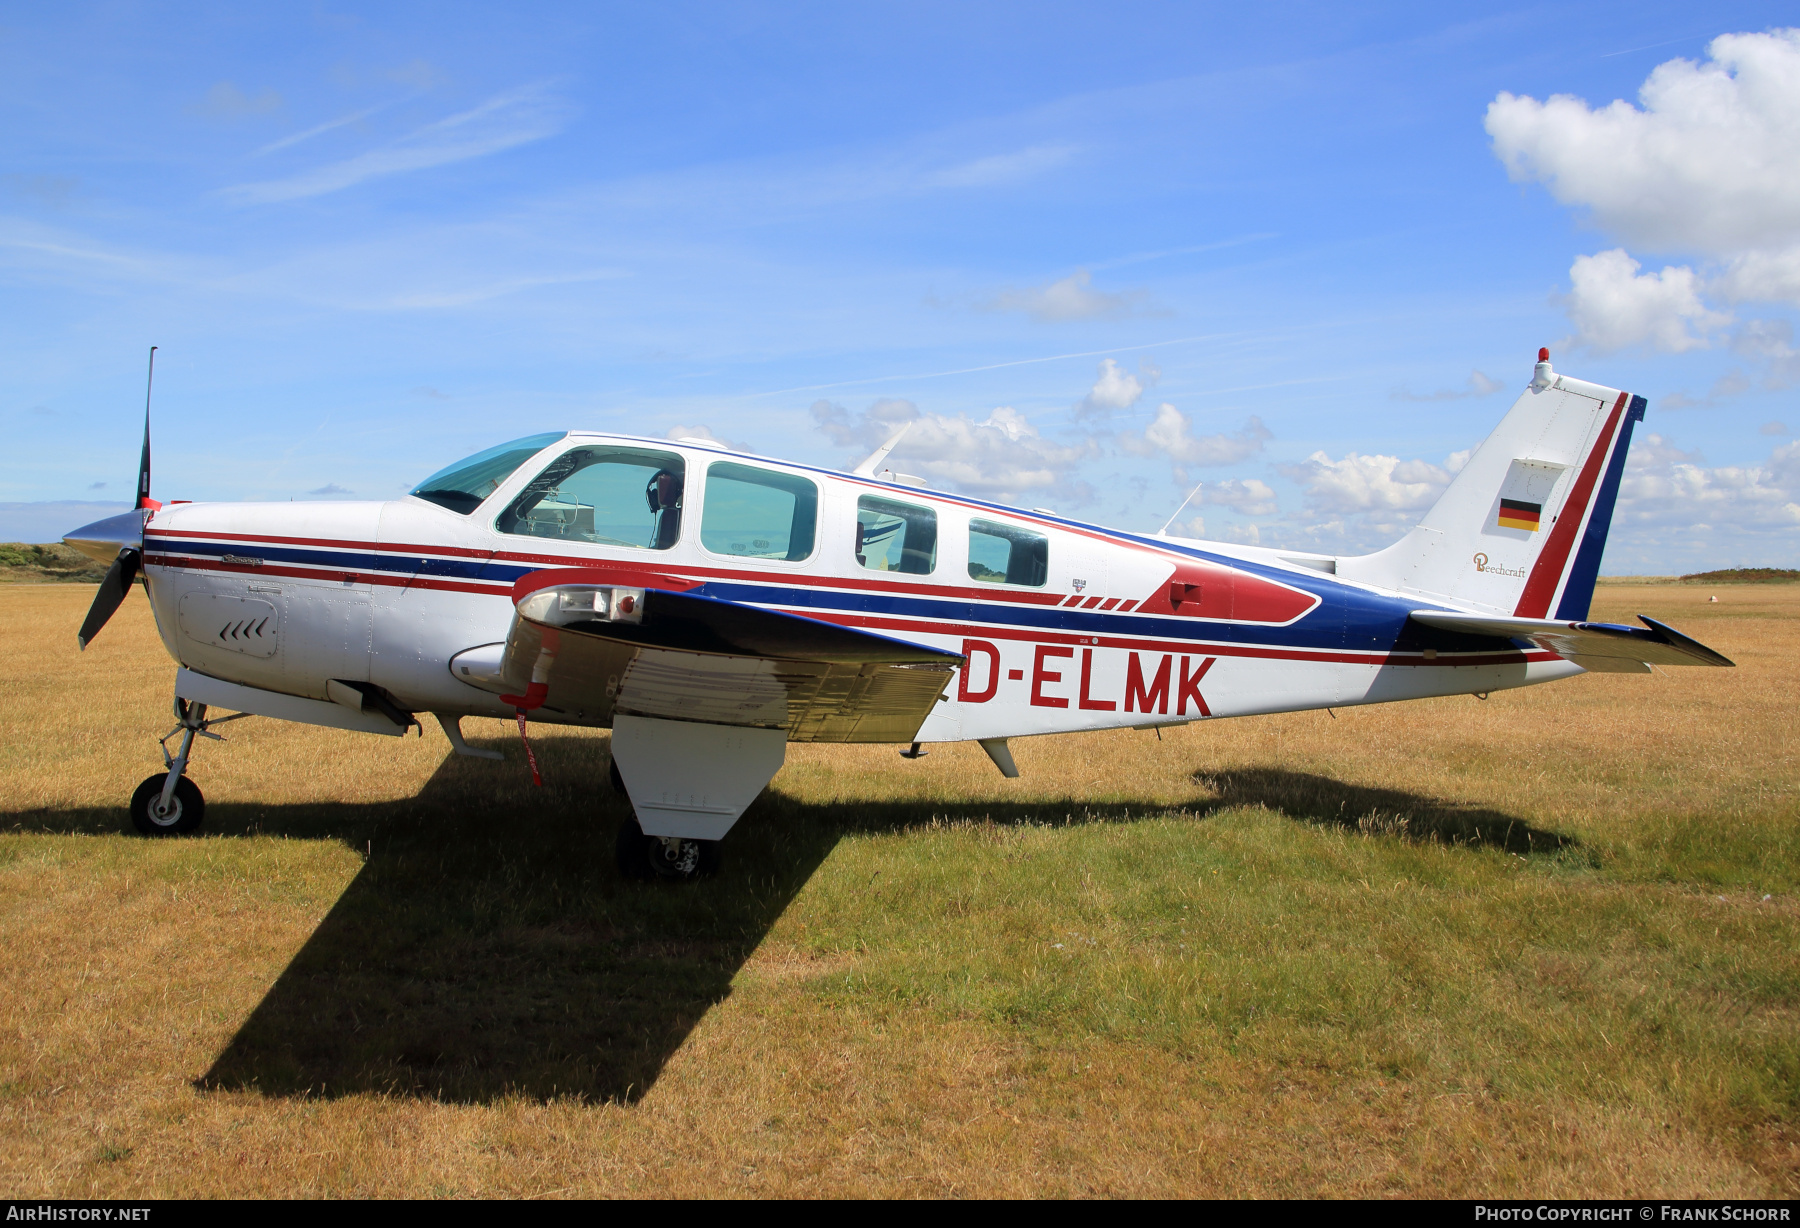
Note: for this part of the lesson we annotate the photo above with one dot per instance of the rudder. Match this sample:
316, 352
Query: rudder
1522, 528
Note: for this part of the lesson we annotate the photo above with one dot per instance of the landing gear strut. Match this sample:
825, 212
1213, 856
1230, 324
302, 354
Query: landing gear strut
664, 858
168, 803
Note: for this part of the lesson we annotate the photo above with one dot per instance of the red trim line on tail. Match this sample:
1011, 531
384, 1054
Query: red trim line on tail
1547, 573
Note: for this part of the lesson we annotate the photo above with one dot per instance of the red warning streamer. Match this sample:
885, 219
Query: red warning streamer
529, 756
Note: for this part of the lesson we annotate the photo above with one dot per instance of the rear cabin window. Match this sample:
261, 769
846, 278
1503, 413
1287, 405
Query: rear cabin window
758, 513
1006, 554
894, 536
603, 496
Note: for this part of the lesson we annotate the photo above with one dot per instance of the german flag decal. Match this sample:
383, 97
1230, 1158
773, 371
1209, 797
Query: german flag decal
1518, 514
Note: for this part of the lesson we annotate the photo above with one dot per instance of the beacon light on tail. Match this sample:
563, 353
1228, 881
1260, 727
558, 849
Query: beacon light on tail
711, 608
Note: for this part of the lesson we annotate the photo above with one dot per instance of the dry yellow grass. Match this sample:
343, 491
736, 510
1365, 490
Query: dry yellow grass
1445, 948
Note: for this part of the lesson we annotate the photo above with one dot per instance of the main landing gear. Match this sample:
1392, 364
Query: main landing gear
664, 858
168, 803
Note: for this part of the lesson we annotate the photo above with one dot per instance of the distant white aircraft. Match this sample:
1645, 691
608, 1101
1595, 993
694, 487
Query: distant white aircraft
711, 606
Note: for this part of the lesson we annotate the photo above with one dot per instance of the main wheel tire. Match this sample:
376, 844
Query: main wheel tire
187, 809
657, 859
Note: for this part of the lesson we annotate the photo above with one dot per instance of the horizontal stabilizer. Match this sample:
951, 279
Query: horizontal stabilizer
1652, 644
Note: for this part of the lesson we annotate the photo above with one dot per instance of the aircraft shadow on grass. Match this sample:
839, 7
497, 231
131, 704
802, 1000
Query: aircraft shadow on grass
1386, 812
488, 948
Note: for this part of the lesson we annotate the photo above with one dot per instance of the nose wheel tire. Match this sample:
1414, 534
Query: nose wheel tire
664, 859
186, 808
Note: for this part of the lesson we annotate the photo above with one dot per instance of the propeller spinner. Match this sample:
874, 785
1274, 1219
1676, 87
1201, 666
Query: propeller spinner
118, 539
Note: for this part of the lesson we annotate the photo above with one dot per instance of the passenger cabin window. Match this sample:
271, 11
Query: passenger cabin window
894, 536
1007, 554
603, 496
464, 486
758, 513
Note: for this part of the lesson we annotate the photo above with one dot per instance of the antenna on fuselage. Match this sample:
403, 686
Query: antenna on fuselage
867, 468
1180, 507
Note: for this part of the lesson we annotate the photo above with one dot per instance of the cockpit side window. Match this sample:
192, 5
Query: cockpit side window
1007, 554
894, 536
464, 486
603, 496
758, 513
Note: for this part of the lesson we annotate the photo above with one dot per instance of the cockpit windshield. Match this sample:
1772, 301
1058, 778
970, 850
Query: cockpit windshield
463, 486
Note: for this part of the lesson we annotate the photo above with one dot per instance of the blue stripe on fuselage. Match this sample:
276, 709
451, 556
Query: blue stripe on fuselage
1346, 617
352, 560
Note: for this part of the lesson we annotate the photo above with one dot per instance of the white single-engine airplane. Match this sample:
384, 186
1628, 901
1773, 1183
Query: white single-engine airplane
711, 606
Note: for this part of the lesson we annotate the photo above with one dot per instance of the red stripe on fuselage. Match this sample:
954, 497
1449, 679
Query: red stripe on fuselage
388, 579
1291, 600
354, 575
929, 626
329, 543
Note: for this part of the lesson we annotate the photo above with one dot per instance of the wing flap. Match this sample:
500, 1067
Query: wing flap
1652, 644
577, 650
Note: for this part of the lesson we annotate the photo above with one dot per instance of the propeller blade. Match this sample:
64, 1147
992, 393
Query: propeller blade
143, 487
125, 532
112, 591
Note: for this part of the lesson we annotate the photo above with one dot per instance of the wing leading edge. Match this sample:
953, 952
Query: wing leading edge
1601, 647
596, 644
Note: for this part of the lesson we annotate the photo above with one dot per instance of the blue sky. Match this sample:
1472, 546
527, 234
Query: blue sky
1300, 254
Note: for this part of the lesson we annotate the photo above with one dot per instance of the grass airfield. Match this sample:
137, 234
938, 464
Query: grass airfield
1544, 945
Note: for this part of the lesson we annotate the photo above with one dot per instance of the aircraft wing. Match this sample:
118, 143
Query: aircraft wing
596, 643
1601, 647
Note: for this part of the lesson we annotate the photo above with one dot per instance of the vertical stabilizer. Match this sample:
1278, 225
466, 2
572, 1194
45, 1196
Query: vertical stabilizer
1521, 528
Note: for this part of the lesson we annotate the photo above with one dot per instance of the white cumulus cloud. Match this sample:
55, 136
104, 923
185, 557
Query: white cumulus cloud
1247, 495
1071, 298
1242, 534
1000, 457
1360, 483
1772, 341
1116, 388
1171, 434
1613, 306
1704, 164
1671, 490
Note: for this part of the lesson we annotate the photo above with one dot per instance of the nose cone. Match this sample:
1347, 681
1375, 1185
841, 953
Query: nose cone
102, 540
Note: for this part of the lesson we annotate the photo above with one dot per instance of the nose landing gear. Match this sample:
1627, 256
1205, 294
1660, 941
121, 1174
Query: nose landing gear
176, 815
168, 803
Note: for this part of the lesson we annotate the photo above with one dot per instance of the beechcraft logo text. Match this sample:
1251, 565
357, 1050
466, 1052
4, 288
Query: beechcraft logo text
1494, 569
